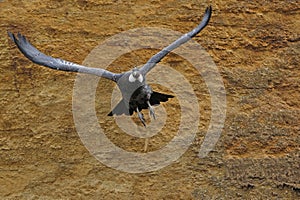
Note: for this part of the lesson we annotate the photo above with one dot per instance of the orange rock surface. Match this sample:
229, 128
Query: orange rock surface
256, 47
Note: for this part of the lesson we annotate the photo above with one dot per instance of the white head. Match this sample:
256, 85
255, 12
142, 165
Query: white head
136, 75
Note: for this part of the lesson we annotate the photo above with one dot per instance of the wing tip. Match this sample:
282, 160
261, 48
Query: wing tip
12, 36
208, 12
206, 18
18, 38
209, 9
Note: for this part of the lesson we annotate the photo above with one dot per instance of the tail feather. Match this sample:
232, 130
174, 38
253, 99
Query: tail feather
157, 97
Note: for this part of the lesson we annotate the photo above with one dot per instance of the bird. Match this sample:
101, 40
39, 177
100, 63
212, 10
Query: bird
136, 93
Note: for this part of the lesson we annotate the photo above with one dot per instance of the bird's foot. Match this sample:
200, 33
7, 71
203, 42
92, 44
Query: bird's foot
151, 110
141, 117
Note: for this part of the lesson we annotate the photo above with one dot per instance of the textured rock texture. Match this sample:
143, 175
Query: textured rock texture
255, 45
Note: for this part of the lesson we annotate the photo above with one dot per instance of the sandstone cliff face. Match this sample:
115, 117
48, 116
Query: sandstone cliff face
255, 45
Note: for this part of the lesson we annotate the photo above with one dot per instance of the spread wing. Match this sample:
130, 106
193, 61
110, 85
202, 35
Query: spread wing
183, 39
55, 63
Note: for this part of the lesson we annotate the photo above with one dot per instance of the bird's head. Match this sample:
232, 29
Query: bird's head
136, 75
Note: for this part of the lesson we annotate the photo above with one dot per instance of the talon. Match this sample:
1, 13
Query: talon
141, 116
151, 110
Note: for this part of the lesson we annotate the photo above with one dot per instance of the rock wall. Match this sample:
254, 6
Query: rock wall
255, 45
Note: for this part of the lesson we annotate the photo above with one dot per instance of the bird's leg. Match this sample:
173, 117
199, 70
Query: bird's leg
151, 110
141, 116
